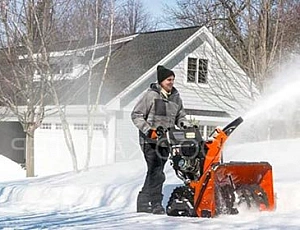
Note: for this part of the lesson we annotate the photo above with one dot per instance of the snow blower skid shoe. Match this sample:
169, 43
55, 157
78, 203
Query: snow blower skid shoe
212, 187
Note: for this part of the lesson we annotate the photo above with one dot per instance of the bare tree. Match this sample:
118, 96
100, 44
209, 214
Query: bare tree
92, 105
100, 20
79, 21
25, 40
29, 76
133, 18
254, 32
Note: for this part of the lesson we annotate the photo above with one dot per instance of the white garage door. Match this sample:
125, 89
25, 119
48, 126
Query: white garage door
50, 147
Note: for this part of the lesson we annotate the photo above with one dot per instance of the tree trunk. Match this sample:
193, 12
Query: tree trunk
69, 141
30, 153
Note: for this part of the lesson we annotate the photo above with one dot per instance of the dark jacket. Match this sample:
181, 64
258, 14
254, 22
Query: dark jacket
154, 110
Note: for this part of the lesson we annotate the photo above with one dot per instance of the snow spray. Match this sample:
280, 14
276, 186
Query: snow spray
284, 89
291, 91
274, 114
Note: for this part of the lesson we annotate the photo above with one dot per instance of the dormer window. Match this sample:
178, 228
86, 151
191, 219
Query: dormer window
67, 68
62, 68
55, 68
197, 70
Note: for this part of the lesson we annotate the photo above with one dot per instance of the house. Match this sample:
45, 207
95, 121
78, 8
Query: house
213, 87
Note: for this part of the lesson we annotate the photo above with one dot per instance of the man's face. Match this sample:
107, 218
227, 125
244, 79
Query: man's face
168, 83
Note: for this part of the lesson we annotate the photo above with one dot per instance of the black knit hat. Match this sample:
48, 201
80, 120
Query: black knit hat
163, 73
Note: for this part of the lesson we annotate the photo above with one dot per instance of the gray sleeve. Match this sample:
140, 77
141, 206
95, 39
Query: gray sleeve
181, 116
140, 113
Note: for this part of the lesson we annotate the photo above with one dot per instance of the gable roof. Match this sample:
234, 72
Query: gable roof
200, 37
132, 64
137, 56
130, 59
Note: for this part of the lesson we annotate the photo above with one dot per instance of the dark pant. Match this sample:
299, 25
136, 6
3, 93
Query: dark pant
156, 158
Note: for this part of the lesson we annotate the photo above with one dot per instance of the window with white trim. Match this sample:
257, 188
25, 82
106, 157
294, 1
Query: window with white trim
80, 126
61, 67
45, 126
58, 126
206, 130
67, 67
99, 127
210, 129
201, 129
197, 70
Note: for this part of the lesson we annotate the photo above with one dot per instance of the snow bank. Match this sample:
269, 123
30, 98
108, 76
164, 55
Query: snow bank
9, 170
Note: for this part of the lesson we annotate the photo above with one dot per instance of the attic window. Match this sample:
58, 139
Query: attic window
67, 68
62, 68
55, 68
197, 70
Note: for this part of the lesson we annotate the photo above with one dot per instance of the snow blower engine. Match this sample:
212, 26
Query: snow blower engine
212, 187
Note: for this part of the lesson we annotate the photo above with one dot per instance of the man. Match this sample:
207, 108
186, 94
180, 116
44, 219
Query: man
162, 106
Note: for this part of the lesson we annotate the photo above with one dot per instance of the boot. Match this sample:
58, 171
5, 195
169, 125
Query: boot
143, 203
144, 208
158, 209
156, 200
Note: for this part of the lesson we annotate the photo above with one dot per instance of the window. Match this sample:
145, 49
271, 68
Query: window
67, 68
202, 68
55, 69
210, 129
58, 126
80, 126
99, 127
45, 126
61, 68
201, 129
197, 70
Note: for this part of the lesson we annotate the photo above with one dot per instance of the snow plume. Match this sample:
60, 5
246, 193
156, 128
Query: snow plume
283, 90
276, 113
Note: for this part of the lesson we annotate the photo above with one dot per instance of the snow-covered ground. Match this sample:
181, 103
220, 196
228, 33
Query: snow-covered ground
104, 197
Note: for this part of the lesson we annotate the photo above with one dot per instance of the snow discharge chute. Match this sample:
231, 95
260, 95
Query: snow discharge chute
212, 187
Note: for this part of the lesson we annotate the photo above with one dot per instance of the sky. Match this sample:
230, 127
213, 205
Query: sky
156, 8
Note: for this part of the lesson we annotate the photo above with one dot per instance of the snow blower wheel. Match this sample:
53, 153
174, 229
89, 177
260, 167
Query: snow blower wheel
181, 202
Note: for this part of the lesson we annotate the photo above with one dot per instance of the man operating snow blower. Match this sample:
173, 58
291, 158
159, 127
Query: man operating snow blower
160, 106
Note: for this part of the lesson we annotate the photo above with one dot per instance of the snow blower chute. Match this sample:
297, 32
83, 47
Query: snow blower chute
212, 187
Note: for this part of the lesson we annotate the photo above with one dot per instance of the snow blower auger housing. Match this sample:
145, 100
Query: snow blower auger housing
212, 187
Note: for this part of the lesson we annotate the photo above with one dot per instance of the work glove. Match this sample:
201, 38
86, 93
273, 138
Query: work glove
152, 133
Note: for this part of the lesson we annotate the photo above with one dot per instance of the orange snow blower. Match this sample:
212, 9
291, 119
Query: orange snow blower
212, 187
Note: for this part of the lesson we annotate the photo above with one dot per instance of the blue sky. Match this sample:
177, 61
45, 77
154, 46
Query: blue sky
155, 7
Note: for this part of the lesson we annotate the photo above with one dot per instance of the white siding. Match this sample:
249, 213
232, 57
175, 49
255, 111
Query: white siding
223, 80
127, 142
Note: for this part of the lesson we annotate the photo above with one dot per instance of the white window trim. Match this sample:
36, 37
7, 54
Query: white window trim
205, 85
